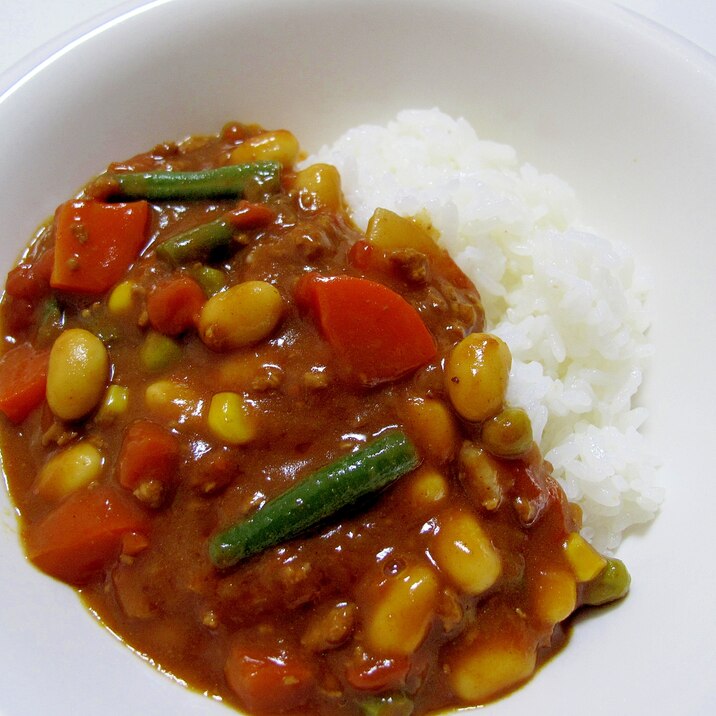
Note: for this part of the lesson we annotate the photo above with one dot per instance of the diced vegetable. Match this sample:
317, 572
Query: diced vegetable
31, 281
230, 419
319, 187
243, 314
122, 299
227, 181
114, 404
611, 584
585, 561
373, 674
397, 705
159, 352
95, 243
392, 232
83, 534
70, 469
149, 453
250, 215
197, 244
268, 681
279, 145
476, 375
316, 497
508, 434
211, 280
399, 613
377, 334
77, 374
554, 595
174, 306
463, 551
23, 377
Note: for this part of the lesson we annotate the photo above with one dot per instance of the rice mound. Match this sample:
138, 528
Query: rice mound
570, 305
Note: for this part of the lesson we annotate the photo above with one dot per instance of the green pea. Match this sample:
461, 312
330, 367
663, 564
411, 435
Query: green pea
610, 584
508, 434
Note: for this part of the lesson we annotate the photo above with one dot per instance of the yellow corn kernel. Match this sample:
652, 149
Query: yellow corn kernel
392, 232
230, 419
585, 561
398, 621
173, 401
122, 299
427, 486
432, 425
319, 187
67, 471
555, 596
279, 145
114, 403
488, 667
464, 552
476, 375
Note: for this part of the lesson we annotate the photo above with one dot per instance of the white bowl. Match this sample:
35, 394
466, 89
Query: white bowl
624, 113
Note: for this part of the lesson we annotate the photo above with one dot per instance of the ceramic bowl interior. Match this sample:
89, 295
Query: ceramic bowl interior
623, 112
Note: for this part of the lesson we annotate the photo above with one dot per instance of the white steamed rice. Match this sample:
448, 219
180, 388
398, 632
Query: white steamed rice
570, 304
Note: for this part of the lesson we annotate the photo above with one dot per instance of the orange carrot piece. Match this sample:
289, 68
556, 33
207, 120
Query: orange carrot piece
367, 673
374, 331
250, 215
267, 682
95, 243
83, 534
148, 452
174, 306
23, 378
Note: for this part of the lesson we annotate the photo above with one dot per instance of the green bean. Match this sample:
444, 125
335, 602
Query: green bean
610, 584
316, 497
228, 181
196, 244
159, 352
212, 280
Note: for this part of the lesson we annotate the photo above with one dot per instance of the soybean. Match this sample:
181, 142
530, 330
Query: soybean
77, 374
241, 315
476, 375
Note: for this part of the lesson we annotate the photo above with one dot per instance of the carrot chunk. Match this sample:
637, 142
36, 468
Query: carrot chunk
149, 453
375, 332
95, 243
267, 682
174, 306
23, 378
83, 534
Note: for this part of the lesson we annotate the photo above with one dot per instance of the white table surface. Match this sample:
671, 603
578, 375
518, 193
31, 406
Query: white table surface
31, 29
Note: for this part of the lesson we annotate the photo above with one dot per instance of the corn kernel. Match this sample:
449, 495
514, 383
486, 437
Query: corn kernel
463, 550
432, 426
278, 146
230, 419
489, 667
67, 471
555, 596
585, 561
122, 299
398, 621
428, 486
114, 403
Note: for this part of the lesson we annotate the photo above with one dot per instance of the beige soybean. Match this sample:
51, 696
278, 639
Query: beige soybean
476, 375
243, 314
77, 374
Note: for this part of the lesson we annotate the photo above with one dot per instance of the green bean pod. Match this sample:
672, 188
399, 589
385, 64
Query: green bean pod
196, 244
228, 181
315, 498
